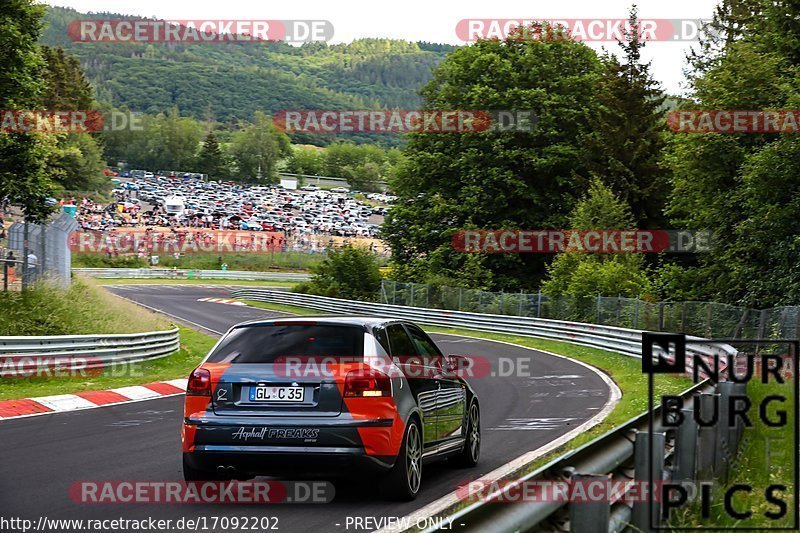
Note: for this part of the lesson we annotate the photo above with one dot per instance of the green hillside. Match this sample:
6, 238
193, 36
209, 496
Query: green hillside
230, 81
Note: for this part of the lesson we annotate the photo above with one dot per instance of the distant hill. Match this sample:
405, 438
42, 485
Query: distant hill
230, 81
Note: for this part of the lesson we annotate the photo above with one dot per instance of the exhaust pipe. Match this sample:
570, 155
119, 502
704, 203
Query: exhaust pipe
228, 470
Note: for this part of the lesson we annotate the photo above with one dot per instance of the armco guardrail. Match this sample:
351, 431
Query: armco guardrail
685, 453
171, 273
20, 355
620, 340
620, 459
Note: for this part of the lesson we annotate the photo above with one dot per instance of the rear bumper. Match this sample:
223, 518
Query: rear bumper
299, 448
296, 463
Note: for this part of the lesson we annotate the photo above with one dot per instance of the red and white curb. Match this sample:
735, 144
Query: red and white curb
226, 301
89, 399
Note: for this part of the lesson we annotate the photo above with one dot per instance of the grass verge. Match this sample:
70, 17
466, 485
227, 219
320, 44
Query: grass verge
88, 309
83, 309
256, 262
766, 458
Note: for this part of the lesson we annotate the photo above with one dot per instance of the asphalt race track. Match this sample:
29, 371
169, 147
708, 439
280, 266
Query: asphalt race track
43, 455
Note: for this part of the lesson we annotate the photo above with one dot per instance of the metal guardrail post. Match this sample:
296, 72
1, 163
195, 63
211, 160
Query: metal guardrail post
739, 390
648, 512
686, 447
25, 277
725, 446
707, 436
589, 516
620, 518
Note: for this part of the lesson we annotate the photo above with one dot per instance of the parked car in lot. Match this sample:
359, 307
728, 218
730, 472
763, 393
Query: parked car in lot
280, 207
328, 396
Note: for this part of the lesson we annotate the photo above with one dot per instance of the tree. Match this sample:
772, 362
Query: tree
24, 175
77, 161
306, 160
495, 179
66, 84
627, 137
351, 273
583, 274
175, 141
257, 148
212, 160
731, 20
742, 186
362, 166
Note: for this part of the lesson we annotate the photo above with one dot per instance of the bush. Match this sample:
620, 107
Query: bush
84, 260
351, 273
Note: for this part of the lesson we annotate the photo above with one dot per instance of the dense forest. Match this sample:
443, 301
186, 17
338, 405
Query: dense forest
229, 82
602, 158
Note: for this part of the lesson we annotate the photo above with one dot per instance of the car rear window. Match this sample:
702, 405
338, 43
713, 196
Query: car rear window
265, 344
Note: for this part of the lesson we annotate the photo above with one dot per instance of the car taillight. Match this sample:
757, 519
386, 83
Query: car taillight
366, 384
199, 383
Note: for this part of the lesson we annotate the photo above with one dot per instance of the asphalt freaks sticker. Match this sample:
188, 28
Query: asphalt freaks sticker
274, 433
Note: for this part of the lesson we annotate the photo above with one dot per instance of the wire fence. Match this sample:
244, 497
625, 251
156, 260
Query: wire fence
702, 319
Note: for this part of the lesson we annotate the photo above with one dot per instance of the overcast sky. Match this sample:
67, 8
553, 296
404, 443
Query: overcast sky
424, 20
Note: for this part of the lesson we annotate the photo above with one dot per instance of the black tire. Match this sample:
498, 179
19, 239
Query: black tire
403, 481
471, 453
190, 473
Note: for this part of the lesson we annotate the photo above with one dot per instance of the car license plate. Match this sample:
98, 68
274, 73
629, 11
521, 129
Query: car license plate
276, 394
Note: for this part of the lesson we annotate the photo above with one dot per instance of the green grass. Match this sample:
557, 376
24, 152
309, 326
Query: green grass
253, 262
83, 309
194, 346
766, 457
266, 284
